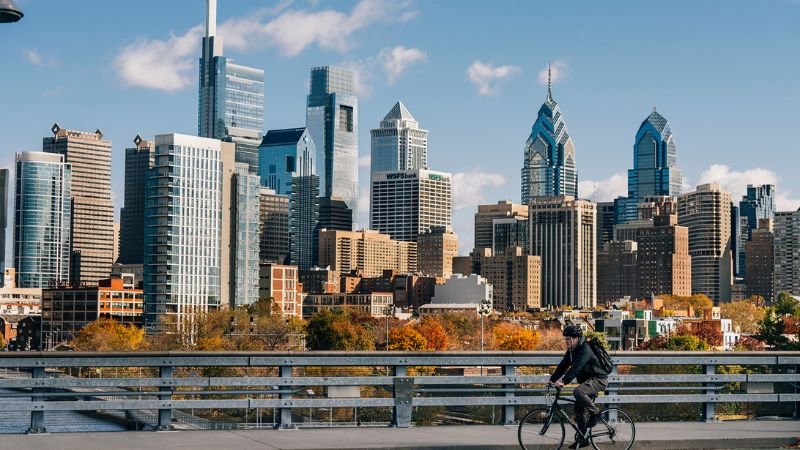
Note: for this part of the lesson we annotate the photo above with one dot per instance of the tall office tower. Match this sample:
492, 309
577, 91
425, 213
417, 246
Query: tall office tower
436, 249
245, 239
516, 279
231, 97
92, 212
42, 217
303, 221
549, 168
484, 220
655, 170
274, 215
760, 270
138, 160
332, 120
787, 252
707, 212
737, 241
562, 234
334, 214
606, 219
509, 232
406, 203
284, 154
664, 264
399, 143
366, 251
187, 229
3, 216
616, 271
757, 204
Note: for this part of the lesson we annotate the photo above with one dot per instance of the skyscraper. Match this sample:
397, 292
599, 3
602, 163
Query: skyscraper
605, 222
655, 171
274, 215
303, 221
187, 211
510, 232
284, 154
549, 168
332, 120
399, 143
761, 261
245, 238
231, 97
367, 251
664, 264
616, 271
138, 160
515, 278
563, 235
787, 252
436, 249
406, 203
484, 220
42, 218
707, 214
3, 216
89, 156
757, 204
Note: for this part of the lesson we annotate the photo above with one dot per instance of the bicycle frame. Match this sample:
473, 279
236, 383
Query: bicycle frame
555, 409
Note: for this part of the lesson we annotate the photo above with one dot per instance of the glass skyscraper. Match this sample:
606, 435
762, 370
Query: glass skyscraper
42, 219
549, 168
3, 216
303, 220
231, 97
758, 203
655, 170
138, 160
399, 143
245, 241
332, 121
284, 154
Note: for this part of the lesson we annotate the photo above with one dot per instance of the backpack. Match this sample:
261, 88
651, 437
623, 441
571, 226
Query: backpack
603, 358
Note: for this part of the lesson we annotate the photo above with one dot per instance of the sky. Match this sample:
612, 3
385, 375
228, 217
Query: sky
724, 73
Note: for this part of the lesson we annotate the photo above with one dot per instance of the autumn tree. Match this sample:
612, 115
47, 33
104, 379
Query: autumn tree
510, 336
550, 339
340, 329
749, 343
744, 315
407, 339
434, 333
698, 302
108, 335
463, 331
709, 335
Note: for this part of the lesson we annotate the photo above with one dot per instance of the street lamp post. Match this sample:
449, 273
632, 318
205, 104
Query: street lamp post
389, 312
484, 309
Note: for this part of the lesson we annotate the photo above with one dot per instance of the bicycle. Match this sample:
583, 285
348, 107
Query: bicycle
544, 428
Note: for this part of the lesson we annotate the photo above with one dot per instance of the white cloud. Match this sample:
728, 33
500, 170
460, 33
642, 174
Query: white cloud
485, 75
604, 190
169, 64
34, 57
736, 183
558, 71
365, 161
396, 60
469, 187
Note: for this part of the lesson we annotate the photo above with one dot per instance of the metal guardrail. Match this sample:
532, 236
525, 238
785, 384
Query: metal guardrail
173, 381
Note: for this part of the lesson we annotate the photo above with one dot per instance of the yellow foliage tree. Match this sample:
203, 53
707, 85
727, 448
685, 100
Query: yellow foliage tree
434, 333
744, 315
406, 339
510, 336
551, 339
108, 335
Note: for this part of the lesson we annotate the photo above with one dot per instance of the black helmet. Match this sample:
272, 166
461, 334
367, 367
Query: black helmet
572, 331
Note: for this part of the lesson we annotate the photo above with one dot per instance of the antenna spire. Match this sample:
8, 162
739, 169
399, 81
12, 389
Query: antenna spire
211, 18
549, 82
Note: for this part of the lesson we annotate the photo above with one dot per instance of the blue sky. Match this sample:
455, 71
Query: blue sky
725, 74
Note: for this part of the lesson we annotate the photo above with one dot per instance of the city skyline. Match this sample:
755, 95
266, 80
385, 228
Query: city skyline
112, 83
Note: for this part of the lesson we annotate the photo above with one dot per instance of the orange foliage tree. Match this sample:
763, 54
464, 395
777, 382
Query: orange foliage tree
434, 333
510, 336
108, 335
406, 339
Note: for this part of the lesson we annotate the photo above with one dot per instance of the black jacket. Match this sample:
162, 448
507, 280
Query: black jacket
581, 362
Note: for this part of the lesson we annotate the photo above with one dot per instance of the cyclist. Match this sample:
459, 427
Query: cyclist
581, 363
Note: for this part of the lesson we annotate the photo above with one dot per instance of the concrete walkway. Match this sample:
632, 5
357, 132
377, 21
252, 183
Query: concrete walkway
668, 435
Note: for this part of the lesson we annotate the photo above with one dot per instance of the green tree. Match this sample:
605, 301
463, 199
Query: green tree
686, 342
770, 331
339, 329
786, 305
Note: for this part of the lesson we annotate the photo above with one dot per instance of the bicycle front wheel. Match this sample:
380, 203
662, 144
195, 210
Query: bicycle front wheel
539, 430
614, 430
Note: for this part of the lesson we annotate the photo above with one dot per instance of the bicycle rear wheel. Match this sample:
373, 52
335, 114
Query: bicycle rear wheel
614, 430
538, 430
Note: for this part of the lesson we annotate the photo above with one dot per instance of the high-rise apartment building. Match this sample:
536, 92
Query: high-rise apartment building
399, 143
515, 278
304, 221
284, 154
549, 168
332, 120
509, 232
245, 238
406, 203
664, 265
231, 97
655, 171
187, 230
787, 252
606, 218
436, 249
484, 220
758, 203
3, 216
274, 216
92, 212
563, 236
138, 160
42, 218
760, 270
616, 271
366, 251
706, 212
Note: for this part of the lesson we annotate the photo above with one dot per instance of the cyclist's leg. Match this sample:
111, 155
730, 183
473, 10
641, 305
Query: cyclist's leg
584, 401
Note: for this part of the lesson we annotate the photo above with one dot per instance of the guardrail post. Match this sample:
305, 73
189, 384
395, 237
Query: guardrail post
612, 391
796, 385
509, 410
165, 414
286, 412
37, 417
709, 414
403, 392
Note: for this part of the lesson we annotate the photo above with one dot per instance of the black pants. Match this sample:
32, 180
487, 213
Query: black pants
584, 396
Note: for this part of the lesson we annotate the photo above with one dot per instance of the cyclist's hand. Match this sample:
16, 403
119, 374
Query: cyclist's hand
558, 384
